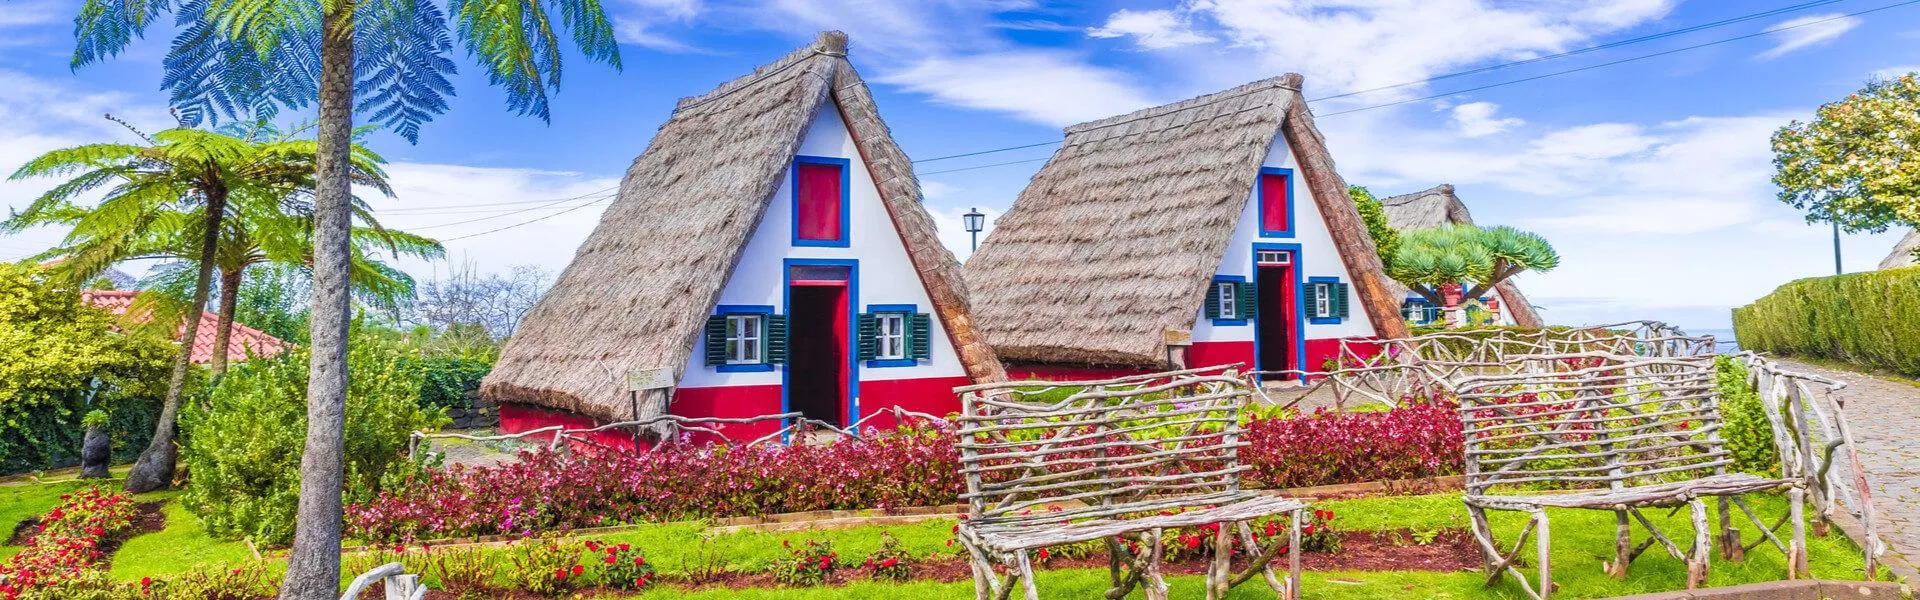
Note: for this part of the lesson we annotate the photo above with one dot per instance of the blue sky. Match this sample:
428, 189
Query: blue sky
1651, 177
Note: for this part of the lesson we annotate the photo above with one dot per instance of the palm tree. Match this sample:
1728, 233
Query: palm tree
238, 54
1432, 259
168, 196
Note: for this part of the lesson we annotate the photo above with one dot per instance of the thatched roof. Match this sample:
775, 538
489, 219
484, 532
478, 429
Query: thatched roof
1437, 206
1116, 239
641, 286
1902, 254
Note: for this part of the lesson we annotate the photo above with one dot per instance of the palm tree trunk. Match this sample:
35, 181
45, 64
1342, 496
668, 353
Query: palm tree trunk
223, 332
154, 469
313, 565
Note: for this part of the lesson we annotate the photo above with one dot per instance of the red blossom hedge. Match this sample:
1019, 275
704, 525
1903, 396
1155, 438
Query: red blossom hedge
66, 542
913, 466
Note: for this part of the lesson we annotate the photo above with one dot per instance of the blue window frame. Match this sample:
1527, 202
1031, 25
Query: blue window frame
1226, 306
892, 333
746, 338
1285, 202
1323, 298
846, 195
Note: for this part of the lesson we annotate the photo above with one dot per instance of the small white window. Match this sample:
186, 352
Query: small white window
1224, 295
890, 336
744, 333
1323, 300
1273, 257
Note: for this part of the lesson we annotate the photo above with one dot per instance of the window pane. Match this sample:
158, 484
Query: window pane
819, 202
1273, 203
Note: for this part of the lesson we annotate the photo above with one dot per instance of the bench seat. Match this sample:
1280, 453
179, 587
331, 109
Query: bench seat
1661, 494
1030, 533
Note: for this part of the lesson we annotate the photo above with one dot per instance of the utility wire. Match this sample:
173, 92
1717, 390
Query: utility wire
1762, 32
407, 209
1475, 71
524, 210
523, 223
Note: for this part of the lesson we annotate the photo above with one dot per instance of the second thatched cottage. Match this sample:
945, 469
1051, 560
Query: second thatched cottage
1433, 208
768, 253
1205, 232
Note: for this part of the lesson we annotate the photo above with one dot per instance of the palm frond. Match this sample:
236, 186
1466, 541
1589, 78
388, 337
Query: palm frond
104, 28
401, 63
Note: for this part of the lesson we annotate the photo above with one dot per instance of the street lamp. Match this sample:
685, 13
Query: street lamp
975, 222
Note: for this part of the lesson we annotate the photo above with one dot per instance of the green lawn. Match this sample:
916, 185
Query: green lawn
1582, 539
22, 501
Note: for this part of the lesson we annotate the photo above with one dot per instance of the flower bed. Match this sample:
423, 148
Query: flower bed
912, 466
67, 542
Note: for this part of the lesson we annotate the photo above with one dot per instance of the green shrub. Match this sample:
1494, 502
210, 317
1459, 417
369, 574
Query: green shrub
1748, 434
60, 358
245, 444
1870, 319
452, 380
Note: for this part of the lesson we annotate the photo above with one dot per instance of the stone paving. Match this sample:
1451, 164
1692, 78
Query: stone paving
1885, 415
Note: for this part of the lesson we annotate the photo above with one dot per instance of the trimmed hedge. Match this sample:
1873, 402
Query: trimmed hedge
1869, 319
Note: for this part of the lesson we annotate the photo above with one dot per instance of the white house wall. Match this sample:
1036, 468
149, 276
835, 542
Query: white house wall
1319, 257
886, 274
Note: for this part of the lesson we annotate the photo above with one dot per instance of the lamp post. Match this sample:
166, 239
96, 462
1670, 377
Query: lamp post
974, 223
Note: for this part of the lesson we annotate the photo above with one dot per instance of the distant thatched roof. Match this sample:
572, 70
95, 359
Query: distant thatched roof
1116, 239
641, 286
1437, 206
1902, 254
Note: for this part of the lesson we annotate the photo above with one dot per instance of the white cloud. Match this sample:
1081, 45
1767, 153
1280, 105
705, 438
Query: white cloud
549, 242
1475, 119
1342, 45
1895, 72
1807, 31
1047, 87
635, 23
39, 115
1151, 29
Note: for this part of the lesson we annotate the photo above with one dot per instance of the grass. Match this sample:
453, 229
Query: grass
25, 501
1582, 539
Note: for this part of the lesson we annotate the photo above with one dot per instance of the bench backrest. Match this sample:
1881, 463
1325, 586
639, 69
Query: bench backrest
1606, 421
1037, 450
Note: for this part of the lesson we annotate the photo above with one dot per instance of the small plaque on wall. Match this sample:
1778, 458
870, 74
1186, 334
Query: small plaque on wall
640, 380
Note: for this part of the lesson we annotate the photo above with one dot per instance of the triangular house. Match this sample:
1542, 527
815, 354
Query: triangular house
1218, 221
768, 253
1903, 252
1432, 208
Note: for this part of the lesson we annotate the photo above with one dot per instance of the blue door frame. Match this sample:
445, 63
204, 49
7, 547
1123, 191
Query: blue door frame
852, 384
1299, 313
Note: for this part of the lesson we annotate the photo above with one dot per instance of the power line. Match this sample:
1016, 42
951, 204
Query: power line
407, 209
1621, 61
527, 222
523, 210
1011, 162
1478, 70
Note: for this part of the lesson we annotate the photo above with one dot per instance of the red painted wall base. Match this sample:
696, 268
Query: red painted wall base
931, 395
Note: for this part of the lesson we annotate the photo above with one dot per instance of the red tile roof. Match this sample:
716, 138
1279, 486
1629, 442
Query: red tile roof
244, 343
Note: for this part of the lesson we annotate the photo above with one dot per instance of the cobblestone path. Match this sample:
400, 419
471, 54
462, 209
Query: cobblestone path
1885, 415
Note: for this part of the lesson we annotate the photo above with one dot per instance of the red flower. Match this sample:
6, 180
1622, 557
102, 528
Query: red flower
1043, 554
577, 570
146, 581
894, 561
560, 574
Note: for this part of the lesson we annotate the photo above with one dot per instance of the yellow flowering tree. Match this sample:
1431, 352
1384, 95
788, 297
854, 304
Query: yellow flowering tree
1857, 163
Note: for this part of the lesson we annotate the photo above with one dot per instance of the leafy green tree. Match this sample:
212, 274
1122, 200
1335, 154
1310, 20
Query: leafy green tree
1857, 164
1386, 240
251, 53
180, 183
1428, 260
58, 357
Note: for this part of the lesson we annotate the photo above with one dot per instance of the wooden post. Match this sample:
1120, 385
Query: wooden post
1697, 558
1797, 551
1220, 573
1293, 555
1730, 548
1544, 553
1622, 544
1154, 587
404, 587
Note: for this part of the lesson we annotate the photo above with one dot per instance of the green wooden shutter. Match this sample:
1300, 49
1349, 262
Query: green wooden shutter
869, 337
1310, 300
1213, 301
716, 340
776, 338
920, 336
1340, 300
1247, 301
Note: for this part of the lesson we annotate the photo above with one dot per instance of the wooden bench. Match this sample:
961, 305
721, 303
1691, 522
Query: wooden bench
1628, 433
1119, 460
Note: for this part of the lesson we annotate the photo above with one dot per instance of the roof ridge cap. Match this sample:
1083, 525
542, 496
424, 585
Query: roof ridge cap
829, 43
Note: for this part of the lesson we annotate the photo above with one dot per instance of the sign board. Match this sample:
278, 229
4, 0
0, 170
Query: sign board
1176, 337
640, 380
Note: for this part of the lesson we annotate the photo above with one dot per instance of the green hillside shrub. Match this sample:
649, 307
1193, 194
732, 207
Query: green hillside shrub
1869, 319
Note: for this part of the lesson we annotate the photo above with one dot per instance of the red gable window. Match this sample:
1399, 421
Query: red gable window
1276, 202
820, 201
